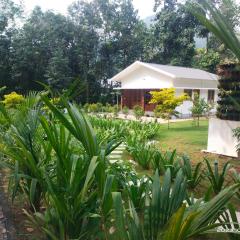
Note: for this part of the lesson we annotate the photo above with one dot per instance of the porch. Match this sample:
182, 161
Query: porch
133, 97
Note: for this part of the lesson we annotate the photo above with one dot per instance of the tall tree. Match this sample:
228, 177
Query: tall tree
36, 44
174, 33
9, 12
58, 72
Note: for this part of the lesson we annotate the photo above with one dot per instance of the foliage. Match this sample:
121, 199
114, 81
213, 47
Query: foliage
12, 100
236, 179
193, 175
199, 108
167, 102
59, 162
236, 134
173, 45
138, 111
229, 89
168, 160
199, 218
216, 178
142, 154
125, 110
184, 223
206, 60
25, 151
218, 24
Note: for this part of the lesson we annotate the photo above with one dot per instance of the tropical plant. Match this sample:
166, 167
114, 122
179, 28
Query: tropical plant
166, 103
160, 222
200, 218
229, 222
26, 153
157, 212
168, 160
77, 180
137, 189
138, 111
13, 99
199, 108
218, 24
236, 179
142, 154
216, 178
193, 175
125, 110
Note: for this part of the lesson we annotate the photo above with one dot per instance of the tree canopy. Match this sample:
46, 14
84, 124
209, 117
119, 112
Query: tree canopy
92, 42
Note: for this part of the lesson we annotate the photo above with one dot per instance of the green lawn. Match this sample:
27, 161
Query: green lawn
184, 136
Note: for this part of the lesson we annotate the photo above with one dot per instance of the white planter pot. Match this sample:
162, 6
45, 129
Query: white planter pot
220, 137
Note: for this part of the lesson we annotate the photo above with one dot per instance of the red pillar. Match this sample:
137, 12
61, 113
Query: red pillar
142, 99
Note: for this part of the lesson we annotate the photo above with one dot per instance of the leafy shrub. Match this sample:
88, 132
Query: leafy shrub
168, 160
138, 111
116, 110
142, 154
199, 108
85, 107
137, 189
166, 216
216, 178
193, 175
93, 108
12, 100
125, 110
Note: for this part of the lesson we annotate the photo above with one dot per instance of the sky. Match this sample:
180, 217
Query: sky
145, 7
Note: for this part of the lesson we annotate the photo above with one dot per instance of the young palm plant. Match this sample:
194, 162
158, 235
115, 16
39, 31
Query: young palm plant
184, 223
26, 152
216, 178
168, 160
78, 195
193, 175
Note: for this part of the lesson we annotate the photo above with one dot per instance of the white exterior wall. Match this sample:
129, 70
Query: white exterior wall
220, 137
144, 78
195, 84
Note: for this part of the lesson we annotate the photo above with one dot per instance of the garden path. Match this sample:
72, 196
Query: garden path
117, 153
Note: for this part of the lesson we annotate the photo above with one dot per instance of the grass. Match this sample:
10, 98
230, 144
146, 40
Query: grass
189, 139
184, 136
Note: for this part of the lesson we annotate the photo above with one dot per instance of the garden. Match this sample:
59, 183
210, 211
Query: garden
60, 165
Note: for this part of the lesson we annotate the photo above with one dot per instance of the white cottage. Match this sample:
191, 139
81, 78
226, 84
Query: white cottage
140, 78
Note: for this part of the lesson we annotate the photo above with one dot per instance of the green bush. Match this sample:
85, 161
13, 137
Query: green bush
125, 110
138, 111
13, 99
142, 154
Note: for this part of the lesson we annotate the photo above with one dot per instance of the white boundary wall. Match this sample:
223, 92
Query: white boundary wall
220, 137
